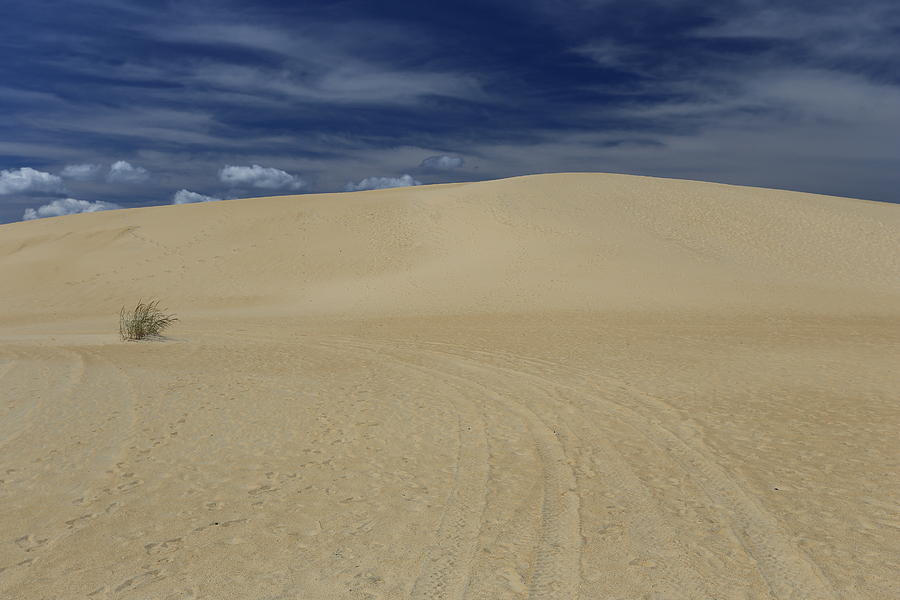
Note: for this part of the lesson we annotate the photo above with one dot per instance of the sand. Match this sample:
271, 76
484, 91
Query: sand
547, 387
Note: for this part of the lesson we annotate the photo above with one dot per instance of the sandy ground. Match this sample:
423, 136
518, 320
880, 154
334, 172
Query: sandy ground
550, 387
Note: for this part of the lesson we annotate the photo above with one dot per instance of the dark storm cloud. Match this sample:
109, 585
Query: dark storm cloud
801, 95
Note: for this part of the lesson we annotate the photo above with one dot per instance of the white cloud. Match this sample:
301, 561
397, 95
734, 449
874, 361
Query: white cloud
380, 183
189, 197
260, 177
26, 179
124, 172
442, 162
66, 206
80, 172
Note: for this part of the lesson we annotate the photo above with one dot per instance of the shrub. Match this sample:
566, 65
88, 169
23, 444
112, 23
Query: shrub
145, 320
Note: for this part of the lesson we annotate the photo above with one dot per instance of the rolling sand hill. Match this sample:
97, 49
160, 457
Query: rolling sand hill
548, 387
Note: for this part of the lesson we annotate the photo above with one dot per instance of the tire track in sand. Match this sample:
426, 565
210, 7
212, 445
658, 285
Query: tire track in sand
39, 387
788, 572
673, 577
447, 564
446, 567
555, 573
6, 366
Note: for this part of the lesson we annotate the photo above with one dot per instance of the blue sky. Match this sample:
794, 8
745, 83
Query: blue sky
110, 103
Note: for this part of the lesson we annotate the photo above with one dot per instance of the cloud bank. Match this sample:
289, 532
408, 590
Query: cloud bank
66, 206
189, 197
380, 183
27, 180
124, 172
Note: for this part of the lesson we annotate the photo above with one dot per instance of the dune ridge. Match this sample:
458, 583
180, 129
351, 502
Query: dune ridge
580, 241
553, 386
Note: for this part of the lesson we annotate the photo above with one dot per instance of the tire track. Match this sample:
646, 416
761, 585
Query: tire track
446, 568
447, 564
36, 367
788, 572
675, 577
6, 366
496, 576
785, 569
555, 572
96, 405
480, 574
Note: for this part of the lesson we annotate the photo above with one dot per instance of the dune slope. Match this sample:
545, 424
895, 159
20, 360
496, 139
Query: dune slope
555, 386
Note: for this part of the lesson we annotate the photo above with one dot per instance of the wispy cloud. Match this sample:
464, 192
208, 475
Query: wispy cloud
321, 62
442, 162
788, 94
81, 172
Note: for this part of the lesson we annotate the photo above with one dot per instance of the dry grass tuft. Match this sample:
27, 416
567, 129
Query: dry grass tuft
145, 320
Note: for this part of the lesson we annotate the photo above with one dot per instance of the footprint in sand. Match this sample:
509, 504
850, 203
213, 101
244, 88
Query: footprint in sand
24, 563
262, 489
80, 521
220, 524
29, 542
125, 487
166, 547
140, 580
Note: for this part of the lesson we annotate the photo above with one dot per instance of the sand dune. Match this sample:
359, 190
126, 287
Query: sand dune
551, 387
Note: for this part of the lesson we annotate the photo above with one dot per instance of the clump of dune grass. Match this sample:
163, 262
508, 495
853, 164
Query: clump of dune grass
144, 321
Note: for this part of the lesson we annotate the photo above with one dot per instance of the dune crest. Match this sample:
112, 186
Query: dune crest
579, 241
